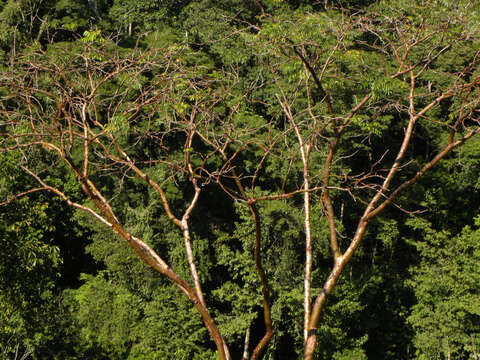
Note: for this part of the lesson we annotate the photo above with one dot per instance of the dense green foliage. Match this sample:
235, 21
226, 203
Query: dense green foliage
70, 288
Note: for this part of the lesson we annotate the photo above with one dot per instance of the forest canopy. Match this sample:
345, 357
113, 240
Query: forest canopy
239, 179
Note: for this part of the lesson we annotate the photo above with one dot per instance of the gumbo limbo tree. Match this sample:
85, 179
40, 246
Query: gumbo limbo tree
325, 123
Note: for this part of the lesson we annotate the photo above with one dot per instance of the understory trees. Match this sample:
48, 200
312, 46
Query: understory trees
248, 175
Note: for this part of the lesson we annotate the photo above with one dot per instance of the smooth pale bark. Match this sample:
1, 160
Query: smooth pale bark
308, 262
338, 267
246, 344
260, 348
305, 150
